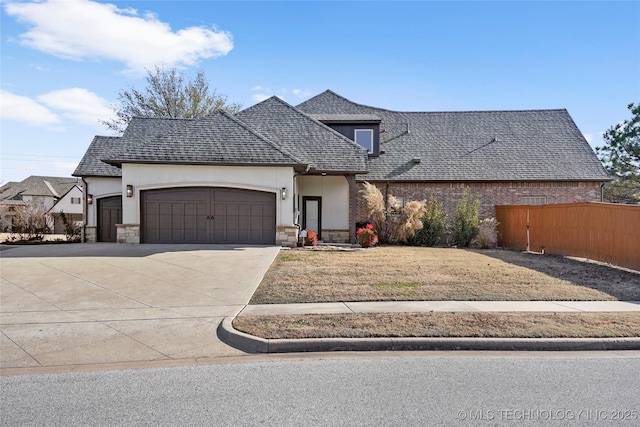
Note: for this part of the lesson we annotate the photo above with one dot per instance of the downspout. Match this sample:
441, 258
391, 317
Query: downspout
602, 190
295, 195
85, 192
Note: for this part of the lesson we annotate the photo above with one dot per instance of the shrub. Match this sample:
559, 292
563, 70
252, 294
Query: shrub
393, 221
311, 239
367, 237
30, 222
466, 222
487, 236
434, 222
71, 231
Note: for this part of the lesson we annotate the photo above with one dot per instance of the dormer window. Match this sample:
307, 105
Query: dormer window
364, 138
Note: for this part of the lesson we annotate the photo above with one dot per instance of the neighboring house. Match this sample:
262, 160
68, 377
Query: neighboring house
49, 194
70, 204
259, 176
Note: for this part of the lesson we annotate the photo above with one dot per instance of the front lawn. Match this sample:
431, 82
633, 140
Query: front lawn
391, 273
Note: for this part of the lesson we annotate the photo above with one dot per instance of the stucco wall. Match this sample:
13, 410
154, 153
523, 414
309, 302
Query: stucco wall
65, 205
98, 188
146, 177
334, 191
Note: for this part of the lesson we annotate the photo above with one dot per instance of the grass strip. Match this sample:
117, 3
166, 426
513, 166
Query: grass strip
488, 325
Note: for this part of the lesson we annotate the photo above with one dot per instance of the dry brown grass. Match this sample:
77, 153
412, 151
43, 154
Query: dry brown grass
415, 273
489, 325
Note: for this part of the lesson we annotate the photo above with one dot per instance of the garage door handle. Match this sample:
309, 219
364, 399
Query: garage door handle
210, 217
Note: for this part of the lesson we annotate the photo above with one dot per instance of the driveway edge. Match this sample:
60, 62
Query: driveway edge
252, 344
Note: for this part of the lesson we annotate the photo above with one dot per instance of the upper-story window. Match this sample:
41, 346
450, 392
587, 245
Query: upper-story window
364, 138
75, 200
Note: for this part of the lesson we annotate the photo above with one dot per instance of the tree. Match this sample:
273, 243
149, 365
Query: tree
168, 94
621, 157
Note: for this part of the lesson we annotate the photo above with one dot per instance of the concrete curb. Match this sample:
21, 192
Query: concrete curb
253, 344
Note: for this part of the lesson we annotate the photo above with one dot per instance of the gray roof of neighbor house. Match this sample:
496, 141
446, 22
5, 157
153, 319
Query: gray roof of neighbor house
37, 186
324, 149
218, 138
534, 145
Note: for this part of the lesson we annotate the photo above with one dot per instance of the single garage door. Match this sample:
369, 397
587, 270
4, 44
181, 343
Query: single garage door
208, 215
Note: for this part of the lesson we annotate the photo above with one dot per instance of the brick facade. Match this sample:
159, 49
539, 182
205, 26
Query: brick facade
491, 193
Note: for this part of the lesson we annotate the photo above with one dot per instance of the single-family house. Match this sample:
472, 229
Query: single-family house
50, 195
261, 175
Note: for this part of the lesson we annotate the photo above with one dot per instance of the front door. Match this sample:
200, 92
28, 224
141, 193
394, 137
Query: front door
109, 214
312, 214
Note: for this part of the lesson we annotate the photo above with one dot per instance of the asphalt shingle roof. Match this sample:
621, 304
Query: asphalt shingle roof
317, 145
472, 146
101, 147
39, 186
215, 139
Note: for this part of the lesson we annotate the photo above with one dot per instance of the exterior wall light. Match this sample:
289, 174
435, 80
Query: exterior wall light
129, 190
89, 199
283, 192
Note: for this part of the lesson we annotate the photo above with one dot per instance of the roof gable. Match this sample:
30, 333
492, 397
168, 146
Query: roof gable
321, 147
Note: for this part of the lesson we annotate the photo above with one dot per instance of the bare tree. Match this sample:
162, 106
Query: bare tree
168, 94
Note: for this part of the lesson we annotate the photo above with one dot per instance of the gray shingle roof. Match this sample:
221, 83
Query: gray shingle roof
39, 186
215, 139
321, 147
472, 146
101, 147
346, 118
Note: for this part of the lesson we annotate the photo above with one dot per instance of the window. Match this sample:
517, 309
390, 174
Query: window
75, 200
364, 138
534, 200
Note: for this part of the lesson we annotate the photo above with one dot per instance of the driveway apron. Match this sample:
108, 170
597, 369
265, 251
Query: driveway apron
100, 303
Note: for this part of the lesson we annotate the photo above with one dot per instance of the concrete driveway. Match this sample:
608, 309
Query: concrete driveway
87, 304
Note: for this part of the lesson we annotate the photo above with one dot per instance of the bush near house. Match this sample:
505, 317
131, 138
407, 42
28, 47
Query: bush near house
71, 231
434, 223
394, 221
487, 237
466, 222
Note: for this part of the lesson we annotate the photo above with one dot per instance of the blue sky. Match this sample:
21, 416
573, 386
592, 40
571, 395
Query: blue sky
63, 63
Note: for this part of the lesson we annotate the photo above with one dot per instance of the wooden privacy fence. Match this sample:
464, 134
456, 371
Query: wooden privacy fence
604, 232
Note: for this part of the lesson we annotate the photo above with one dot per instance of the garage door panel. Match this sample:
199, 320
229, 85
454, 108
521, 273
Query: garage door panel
208, 215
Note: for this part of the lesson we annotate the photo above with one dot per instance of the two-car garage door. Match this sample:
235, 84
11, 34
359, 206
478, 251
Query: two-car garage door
208, 215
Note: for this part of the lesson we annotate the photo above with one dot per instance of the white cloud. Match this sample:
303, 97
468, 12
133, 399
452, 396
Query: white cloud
266, 92
78, 104
25, 109
83, 29
588, 137
301, 93
259, 97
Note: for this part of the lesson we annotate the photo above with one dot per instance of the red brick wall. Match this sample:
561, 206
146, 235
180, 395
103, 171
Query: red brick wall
491, 193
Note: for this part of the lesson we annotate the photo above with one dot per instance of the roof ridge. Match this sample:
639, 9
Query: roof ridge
435, 112
263, 138
307, 116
